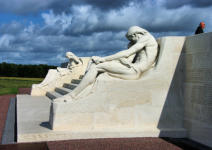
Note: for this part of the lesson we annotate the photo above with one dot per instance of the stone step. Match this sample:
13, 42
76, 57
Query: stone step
53, 95
70, 85
62, 90
75, 81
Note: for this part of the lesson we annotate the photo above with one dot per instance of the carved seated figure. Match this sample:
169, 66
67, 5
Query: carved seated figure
57, 77
74, 61
128, 64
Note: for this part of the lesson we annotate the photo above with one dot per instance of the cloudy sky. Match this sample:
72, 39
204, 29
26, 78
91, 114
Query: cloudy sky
41, 31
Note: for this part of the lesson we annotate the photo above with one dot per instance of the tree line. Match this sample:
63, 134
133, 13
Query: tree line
19, 70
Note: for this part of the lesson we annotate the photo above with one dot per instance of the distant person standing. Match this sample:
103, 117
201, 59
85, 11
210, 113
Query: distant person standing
200, 28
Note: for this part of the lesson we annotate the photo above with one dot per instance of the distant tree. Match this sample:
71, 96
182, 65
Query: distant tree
19, 70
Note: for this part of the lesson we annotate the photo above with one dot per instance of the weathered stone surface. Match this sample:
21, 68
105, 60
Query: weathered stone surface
128, 104
119, 108
33, 115
198, 88
173, 96
57, 77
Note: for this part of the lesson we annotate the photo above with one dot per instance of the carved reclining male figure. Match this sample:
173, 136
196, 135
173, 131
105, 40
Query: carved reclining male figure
127, 64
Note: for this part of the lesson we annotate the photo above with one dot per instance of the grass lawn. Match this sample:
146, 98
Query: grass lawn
10, 85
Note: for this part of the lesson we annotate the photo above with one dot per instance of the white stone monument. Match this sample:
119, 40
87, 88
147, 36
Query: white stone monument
137, 92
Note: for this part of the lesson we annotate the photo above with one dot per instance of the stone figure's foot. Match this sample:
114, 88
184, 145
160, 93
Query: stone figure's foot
65, 98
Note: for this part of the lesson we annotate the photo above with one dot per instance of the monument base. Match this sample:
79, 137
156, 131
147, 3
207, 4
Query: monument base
33, 117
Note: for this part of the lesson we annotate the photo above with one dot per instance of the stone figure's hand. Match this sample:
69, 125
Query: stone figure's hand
97, 59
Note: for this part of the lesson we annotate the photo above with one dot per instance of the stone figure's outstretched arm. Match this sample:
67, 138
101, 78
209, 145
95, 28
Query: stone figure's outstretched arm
125, 53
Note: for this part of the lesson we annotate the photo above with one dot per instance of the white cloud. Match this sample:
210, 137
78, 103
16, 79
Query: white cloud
5, 40
87, 30
50, 19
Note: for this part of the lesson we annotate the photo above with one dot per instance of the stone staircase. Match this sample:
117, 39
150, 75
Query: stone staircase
65, 89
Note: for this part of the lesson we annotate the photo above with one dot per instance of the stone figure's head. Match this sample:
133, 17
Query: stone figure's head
135, 32
69, 55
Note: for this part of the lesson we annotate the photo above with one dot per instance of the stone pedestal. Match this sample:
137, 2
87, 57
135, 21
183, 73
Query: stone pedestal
149, 107
32, 125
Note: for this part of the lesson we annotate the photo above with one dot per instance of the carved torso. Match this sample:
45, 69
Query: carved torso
144, 58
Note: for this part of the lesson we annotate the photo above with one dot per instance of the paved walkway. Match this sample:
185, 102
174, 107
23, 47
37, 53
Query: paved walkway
4, 105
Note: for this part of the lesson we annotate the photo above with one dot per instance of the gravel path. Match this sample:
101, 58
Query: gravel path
24, 90
114, 144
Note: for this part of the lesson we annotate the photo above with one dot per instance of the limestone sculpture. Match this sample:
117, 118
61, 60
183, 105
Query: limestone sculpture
127, 64
57, 77
162, 103
74, 61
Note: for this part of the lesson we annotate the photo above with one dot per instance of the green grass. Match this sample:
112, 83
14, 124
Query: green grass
19, 78
10, 85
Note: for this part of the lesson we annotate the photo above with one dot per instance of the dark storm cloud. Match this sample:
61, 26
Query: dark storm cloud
172, 4
23, 6
86, 28
106, 4
11, 28
86, 20
34, 45
58, 6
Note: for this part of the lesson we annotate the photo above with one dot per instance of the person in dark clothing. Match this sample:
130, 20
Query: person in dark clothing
200, 28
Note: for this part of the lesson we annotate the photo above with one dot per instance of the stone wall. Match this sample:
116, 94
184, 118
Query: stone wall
198, 87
